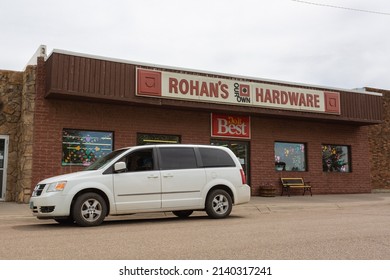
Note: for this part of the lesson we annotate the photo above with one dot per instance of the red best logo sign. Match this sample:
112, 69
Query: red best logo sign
230, 126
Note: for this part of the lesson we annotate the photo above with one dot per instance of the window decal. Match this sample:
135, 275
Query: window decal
80, 147
290, 156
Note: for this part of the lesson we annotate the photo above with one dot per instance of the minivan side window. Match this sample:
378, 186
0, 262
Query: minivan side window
141, 160
216, 158
177, 158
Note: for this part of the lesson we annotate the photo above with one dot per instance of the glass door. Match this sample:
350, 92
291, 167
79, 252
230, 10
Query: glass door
3, 164
240, 149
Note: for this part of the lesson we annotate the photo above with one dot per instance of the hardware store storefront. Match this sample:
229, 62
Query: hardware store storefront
86, 106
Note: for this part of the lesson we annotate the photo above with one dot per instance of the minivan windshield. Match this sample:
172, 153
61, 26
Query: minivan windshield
101, 162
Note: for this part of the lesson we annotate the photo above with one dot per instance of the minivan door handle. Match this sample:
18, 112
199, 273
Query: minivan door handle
168, 176
153, 176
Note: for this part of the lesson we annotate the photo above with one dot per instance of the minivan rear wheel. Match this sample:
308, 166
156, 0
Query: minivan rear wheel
218, 204
182, 214
89, 210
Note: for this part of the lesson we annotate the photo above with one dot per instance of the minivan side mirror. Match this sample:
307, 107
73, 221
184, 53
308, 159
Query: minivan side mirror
120, 166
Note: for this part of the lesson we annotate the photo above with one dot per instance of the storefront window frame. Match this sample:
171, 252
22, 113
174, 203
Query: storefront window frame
328, 165
158, 138
281, 165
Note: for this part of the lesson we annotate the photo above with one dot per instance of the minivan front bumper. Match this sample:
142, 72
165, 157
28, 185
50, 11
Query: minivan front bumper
49, 206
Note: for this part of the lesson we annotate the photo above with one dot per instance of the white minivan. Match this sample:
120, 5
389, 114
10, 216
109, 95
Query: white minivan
178, 178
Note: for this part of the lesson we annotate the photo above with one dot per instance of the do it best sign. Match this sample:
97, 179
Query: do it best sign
230, 126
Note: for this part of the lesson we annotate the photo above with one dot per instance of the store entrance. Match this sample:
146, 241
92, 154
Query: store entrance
240, 149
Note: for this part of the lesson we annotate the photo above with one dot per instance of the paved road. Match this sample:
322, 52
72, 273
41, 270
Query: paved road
318, 227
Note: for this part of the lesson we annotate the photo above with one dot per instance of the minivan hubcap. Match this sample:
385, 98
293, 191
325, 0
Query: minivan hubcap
91, 210
220, 204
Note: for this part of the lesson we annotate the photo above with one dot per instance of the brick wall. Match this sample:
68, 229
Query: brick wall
266, 131
379, 136
125, 121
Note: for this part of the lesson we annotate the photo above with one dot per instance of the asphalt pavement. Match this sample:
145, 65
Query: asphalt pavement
342, 226
264, 204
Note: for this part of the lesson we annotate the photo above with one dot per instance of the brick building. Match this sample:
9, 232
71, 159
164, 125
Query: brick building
71, 108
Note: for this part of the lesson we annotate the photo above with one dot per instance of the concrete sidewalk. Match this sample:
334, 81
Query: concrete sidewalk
267, 204
331, 201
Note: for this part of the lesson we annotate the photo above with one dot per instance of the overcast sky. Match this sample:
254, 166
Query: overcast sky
272, 39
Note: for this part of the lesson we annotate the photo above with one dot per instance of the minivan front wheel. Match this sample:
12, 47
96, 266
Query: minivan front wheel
89, 209
218, 204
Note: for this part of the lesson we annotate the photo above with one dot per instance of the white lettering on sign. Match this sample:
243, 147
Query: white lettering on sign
232, 129
230, 126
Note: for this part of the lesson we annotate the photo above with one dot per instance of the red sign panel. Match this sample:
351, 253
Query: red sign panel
332, 102
230, 126
149, 83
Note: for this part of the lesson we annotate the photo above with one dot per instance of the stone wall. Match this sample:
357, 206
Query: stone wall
379, 139
25, 130
11, 85
17, 94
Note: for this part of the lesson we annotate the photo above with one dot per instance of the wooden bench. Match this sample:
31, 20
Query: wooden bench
294, 183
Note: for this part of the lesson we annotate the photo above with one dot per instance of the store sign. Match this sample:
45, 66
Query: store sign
164, 84
230, 126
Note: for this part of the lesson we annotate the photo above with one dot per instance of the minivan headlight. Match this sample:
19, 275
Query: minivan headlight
56, 186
